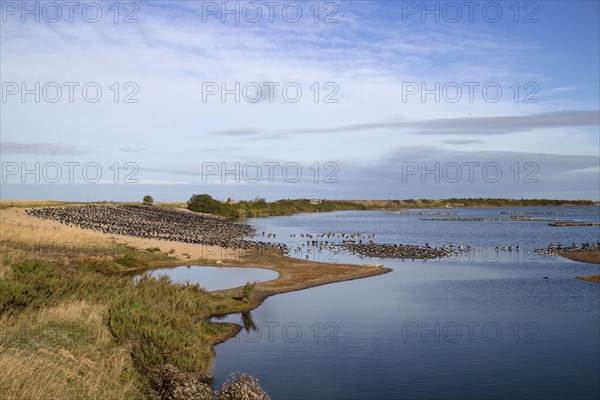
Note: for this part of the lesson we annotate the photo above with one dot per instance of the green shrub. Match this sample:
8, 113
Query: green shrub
164, 323
247, 291
203, 203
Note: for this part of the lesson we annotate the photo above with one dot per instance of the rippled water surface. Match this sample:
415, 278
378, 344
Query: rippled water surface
506, 325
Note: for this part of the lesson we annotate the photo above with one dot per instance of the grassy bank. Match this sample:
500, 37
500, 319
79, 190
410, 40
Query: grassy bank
74, 326
65, 351
78, 327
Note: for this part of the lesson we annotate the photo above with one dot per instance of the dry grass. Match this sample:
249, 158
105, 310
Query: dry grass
55, 203
22, 235
294, 274
28, 233
32, 203
64, 352
17, 226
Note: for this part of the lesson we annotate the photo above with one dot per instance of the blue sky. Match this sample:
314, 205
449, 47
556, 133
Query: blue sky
372, 58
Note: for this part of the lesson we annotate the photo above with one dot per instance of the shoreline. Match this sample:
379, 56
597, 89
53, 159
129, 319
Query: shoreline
294, 274
589, 257
590, 278
260, 209
28, 237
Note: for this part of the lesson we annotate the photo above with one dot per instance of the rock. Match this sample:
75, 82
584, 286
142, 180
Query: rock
173, 384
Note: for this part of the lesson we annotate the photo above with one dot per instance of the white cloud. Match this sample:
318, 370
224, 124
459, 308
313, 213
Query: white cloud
170, 53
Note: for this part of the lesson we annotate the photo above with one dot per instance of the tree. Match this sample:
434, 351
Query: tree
247, 291
203, 203
148, 199
260, 201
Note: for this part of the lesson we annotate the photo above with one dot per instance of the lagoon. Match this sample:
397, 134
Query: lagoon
468, 328
215, 278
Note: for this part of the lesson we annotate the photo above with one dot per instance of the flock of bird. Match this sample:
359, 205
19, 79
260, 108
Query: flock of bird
155, 223
558, 249
189, 227
353, 243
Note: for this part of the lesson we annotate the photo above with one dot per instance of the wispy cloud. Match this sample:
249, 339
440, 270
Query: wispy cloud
53, 149
563, 89
461, 141
131, 150
474, 125
549, 163
237, 132
369, 54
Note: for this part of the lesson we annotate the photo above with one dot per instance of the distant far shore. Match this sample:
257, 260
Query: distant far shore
470, 202
261, 208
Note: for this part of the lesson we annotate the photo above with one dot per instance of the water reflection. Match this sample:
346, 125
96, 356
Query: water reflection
215, 278
244, 319
548, 346
247, 322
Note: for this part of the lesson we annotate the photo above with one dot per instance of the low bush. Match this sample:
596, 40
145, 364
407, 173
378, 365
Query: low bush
164, 322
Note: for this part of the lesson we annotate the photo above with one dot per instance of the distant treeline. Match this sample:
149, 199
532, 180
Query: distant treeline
261, 208
468, 202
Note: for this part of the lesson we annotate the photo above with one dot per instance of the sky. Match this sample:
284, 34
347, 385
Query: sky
318, 99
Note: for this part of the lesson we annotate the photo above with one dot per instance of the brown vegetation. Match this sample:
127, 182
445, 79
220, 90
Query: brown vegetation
590, 257
74, 327
590, 278
66, 352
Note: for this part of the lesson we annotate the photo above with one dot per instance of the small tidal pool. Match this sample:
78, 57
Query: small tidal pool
215, 278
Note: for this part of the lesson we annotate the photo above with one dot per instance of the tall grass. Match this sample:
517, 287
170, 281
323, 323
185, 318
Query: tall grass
64, 352
148, 323
165, 324
37, 283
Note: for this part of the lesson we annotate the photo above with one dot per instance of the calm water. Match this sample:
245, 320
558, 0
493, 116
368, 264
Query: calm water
465, 328
216, 278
